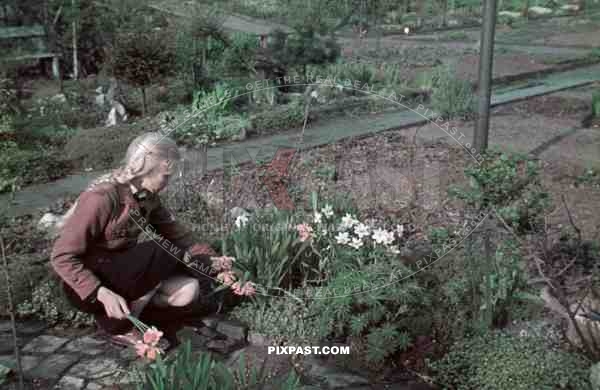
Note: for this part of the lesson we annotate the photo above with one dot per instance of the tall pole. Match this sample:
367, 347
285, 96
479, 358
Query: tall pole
486, 60
75, 54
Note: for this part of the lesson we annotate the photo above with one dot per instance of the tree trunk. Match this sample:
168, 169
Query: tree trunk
526, 9
144, 106
11, 310
204, 51
75, 58
444, 13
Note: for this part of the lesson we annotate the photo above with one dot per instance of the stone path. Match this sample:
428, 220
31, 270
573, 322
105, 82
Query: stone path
232, 21
264, 148
53, 359
89, 361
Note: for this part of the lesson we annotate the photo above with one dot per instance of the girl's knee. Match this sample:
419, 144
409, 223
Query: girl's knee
188, 292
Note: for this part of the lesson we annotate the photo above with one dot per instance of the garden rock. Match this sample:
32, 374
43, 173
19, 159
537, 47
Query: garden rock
197, 341
117, 114
272, 365
48, 222
233, 330
510, 14
61, 98
570, 7
539, 11
334, 377
258, 339
222, 346
211, 321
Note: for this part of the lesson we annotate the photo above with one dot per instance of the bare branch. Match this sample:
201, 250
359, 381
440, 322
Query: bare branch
11, 309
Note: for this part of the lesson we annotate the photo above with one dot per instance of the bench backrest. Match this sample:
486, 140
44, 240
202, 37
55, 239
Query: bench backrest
22, 32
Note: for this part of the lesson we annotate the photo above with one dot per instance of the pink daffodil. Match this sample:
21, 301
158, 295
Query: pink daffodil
304, 231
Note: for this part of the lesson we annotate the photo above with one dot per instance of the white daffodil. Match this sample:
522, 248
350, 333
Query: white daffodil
347, 222
406, 30
394, 249
342, 238
317, 217
314, 94
361, 230
241, 221
356, 243
400, 230
327, 211
382, 236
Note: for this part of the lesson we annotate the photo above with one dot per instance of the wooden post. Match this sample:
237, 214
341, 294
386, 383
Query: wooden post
75, 59
486, 59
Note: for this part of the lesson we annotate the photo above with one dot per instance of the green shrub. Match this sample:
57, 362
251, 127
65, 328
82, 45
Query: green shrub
477, 290
19, 166
141, 58
8, 95
367, 302
282, 117
456, 35
209, 119
68, 110
101, 147
510, 184
279, 318
234, 59
25, 275
500, 361
266, 247
590, 177
48, 303
451, 96
187, 370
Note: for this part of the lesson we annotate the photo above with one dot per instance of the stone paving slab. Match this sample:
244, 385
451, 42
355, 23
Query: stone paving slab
70, 383
45, 344
94, 369
27, 361
86, 345
52, 367
7, 343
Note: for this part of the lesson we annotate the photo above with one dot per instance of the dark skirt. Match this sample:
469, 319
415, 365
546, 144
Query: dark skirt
132, 274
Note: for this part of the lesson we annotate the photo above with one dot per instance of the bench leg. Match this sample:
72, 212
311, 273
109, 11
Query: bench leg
55, 68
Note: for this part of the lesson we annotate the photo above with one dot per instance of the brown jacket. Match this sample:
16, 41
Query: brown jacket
92, 231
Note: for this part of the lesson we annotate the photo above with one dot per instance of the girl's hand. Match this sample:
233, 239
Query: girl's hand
114, 304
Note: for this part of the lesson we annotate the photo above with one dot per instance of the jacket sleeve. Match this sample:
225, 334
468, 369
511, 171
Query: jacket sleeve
170, 229
84, 226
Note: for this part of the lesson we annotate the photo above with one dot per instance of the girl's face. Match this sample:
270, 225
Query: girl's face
158, 178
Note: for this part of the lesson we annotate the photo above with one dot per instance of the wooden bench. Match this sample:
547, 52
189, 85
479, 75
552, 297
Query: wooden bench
37, 36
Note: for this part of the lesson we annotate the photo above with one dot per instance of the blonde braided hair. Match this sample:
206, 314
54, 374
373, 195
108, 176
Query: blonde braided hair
143, 155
